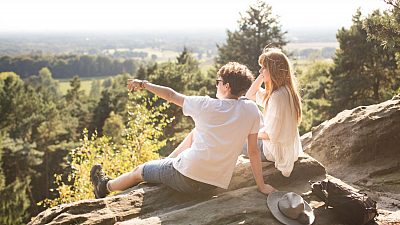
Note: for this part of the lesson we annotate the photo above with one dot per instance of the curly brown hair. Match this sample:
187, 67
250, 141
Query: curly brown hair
238, 76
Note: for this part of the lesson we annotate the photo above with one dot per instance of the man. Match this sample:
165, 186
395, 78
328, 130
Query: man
207, 157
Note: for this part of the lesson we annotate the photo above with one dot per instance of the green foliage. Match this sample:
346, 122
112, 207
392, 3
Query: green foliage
114, 127
13, 198
257, 29
14, 203
95, 89
35, 131
316, 83
44, 81
114, 99
66, 66
385, 27
364, 72
74, 94
143, 132
19, 105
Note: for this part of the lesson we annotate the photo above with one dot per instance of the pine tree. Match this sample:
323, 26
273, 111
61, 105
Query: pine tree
257, 29
385, 27
13, 198
95, 89
364, 72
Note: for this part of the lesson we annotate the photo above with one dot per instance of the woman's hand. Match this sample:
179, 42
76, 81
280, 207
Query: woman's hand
251, 93
267, 189
262, 135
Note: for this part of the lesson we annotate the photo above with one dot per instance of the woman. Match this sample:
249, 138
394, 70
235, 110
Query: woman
282, 110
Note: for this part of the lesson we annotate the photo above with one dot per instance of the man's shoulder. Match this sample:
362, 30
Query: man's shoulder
249, 102
197, 99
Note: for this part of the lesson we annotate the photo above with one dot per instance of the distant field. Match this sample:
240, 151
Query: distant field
316, 45
205, 64
86, 84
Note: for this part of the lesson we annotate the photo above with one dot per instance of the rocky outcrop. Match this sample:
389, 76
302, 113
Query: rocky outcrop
362, 147
149, 204
357, 136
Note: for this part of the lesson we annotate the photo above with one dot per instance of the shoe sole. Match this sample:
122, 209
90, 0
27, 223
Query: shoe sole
95, 169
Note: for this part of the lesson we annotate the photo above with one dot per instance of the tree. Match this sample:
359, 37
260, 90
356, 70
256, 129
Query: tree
129, 66
114, 99
49, 82
95, 89
364, 72
385, 27
77, 108
13, 199
107, 82
74, 94
114, 127
49, 139
316, 95
141, 73
141, 144
257, 29
19, 106
44, 81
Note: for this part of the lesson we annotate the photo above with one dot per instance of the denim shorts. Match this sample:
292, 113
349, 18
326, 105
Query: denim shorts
162, 171
260, 146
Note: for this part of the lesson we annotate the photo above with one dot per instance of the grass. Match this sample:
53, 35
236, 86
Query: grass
86, 83
312, 45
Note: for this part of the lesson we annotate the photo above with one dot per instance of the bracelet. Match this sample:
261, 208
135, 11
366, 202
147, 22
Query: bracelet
142, 84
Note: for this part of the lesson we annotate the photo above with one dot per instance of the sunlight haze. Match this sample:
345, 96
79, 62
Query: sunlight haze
124, 15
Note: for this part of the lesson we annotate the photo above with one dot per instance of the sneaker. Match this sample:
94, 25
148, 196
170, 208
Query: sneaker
99, 180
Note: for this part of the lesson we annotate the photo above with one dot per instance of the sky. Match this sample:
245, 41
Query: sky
131, 15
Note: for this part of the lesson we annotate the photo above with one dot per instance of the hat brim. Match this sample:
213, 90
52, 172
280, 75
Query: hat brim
272, 202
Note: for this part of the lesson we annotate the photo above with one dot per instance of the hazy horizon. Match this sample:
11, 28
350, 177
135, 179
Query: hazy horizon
80, 16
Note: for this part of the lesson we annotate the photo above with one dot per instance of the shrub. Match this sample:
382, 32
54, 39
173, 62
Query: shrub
144, 128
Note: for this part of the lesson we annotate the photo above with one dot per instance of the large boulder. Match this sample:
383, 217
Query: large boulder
156, 204
357, 136
362, 147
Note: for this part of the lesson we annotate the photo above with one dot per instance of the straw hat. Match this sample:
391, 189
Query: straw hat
290, 208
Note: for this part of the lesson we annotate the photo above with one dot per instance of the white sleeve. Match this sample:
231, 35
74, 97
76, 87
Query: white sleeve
258, 122
194, 105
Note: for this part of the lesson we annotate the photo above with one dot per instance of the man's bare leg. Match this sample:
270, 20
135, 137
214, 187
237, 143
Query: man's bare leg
134, 177
126, 180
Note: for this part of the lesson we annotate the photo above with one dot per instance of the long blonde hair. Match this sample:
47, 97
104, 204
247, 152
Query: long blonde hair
281, 75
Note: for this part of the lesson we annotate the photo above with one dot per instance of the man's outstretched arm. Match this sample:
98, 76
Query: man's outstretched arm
163, 92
